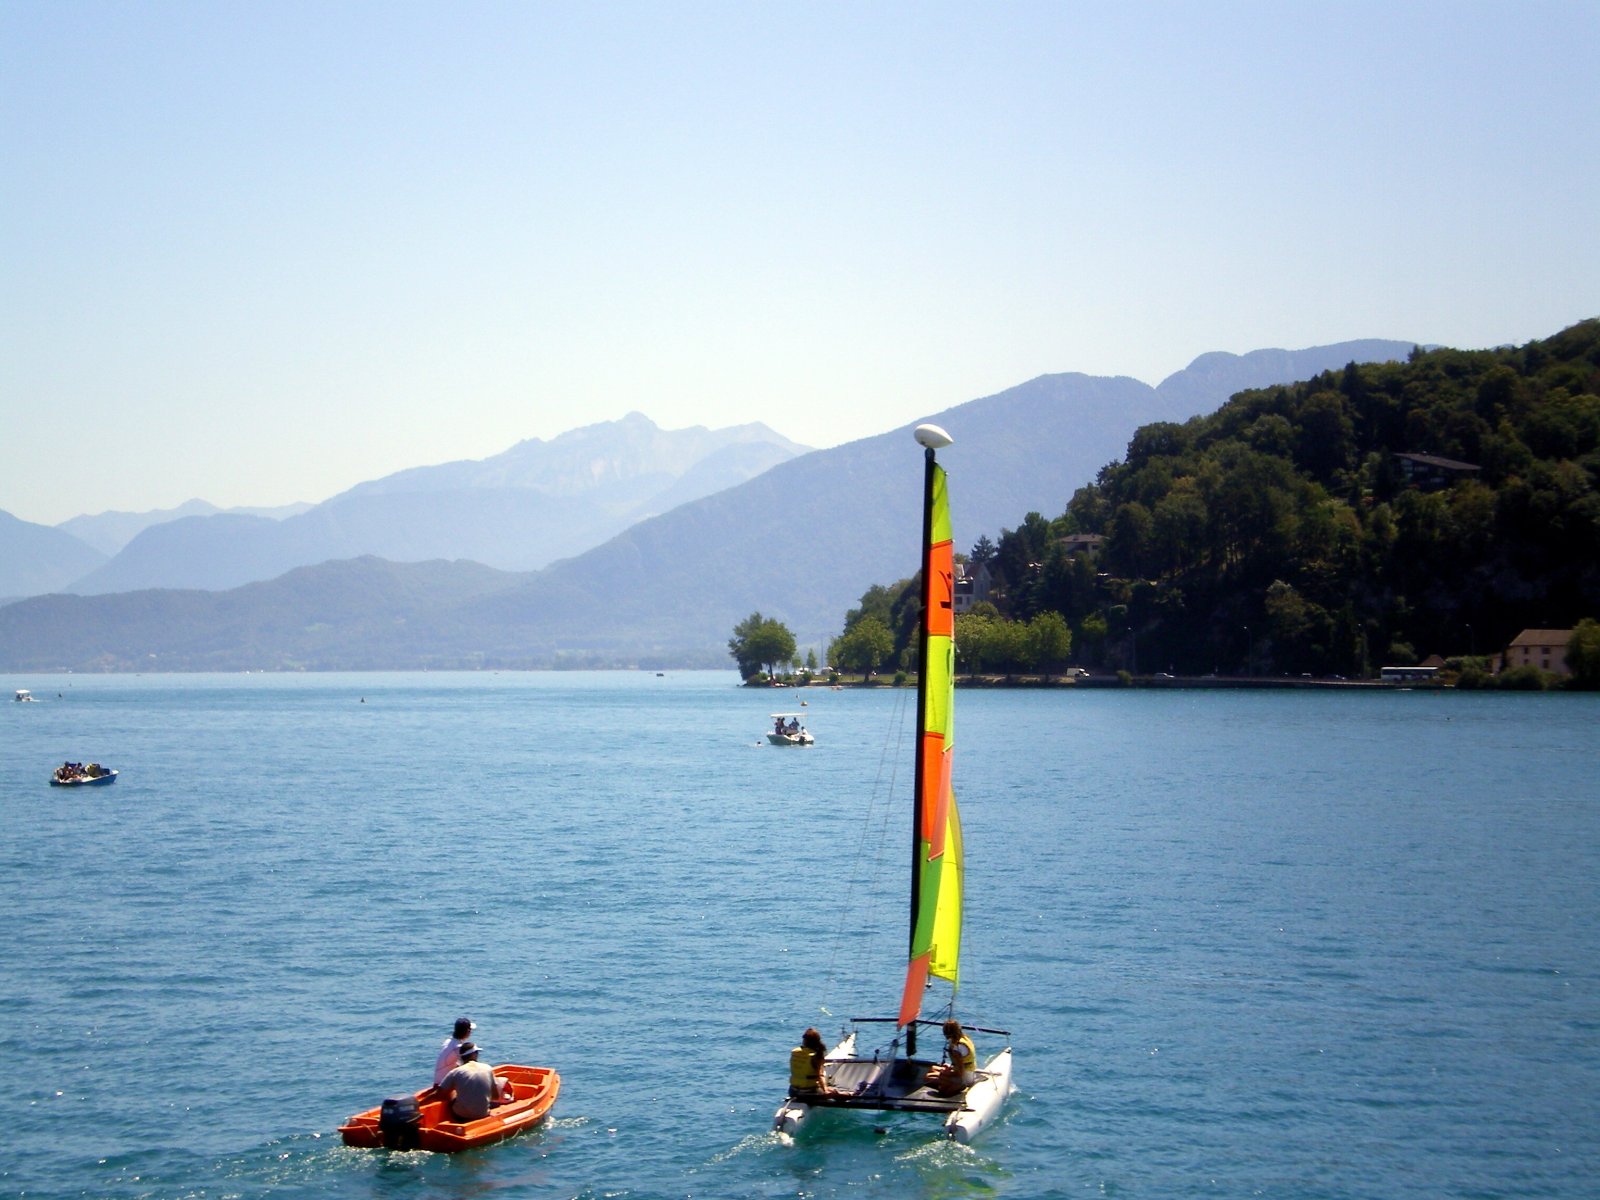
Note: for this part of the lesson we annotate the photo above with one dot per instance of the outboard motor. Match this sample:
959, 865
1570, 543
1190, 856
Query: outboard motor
400, 1123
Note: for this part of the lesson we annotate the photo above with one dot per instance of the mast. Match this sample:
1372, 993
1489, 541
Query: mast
931, 438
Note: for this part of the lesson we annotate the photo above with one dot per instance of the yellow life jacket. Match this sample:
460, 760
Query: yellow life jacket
964, 1055
803, 1069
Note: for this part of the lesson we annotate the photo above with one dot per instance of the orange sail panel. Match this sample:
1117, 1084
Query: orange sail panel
936, 938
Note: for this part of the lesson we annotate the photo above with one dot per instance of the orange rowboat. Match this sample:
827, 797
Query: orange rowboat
533, 1091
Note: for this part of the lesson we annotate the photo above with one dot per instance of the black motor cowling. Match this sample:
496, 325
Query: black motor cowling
400, 1123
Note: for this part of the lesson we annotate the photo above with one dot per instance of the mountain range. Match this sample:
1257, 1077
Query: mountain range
518, 511
799, 538
109, 532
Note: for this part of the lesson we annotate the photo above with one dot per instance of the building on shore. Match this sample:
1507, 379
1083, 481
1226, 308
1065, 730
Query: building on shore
1542, 648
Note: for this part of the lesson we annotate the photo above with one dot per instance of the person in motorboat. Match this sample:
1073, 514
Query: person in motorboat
806, 1063
960, 1070
450, 1052
472, 1087
777, 726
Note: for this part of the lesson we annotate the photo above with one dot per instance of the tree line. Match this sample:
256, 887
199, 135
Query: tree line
1366, 517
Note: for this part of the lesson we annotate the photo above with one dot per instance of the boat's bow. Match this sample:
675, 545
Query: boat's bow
982, 1102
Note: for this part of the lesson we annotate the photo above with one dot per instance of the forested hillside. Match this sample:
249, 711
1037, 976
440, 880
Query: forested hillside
1314, 528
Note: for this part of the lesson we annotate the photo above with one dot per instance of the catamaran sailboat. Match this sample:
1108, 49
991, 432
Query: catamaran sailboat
894, 1078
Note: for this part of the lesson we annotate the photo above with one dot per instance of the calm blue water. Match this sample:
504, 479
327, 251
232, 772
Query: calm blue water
1276, 944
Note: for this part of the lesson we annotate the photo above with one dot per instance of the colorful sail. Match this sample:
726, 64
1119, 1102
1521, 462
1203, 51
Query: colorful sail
937, 863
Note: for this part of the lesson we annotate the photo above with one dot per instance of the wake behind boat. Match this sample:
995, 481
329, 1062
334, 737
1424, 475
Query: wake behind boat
73, 774
894, 1077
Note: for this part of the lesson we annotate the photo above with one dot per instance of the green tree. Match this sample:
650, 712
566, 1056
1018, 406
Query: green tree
760, 642
864, 647
1127, 546
1049, 640
983, 552
973, 644
1095, 632
1583, 654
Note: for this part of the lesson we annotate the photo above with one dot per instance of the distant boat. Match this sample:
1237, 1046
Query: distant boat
424, 1122
895, 1078
24, 696
787, 730
73, 774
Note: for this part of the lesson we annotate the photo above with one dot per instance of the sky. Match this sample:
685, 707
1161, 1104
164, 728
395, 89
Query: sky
258, 252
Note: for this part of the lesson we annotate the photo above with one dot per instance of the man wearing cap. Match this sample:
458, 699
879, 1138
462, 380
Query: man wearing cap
450, 1052
472, 1086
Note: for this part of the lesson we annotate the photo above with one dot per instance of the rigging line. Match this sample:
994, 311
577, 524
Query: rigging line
855, 874
890, 755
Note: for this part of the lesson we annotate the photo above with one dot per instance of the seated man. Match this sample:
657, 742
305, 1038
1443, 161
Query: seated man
472, 1087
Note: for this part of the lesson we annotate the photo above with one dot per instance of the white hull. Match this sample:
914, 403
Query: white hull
984, 1100
792, 1113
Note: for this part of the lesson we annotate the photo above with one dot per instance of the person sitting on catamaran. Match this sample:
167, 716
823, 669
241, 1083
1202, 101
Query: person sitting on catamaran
961, 1070
806, 1075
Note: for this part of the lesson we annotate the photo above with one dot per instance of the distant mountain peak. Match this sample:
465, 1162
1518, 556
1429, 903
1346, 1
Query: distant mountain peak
630, 450
520, 509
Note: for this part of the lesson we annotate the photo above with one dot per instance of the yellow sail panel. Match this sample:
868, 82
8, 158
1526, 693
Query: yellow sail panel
941, 507
936, 949
945, 952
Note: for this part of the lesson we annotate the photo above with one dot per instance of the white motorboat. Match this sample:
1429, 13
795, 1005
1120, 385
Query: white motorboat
787, 731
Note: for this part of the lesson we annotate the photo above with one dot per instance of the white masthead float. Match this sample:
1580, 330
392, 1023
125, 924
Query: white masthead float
894, 1077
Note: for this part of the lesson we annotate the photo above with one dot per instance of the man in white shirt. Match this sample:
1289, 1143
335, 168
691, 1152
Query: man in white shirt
450, 1052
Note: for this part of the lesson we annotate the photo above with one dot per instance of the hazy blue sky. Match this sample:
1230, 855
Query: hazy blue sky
257, 252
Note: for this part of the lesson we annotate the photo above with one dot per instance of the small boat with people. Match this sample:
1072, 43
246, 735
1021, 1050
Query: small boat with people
72, 774
423, 1121
24, 696
787, 731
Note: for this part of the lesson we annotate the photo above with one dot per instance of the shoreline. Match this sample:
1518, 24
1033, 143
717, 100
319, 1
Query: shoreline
1181, 682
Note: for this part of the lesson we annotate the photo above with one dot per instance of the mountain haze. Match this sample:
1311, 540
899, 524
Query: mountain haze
334, 616
535, 503
38, 558
800, 542
109, 532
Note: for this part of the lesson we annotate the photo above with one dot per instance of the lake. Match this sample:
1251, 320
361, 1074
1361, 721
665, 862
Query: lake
1289, 944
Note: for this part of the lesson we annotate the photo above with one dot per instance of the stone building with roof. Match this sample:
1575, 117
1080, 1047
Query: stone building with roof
1542, 648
